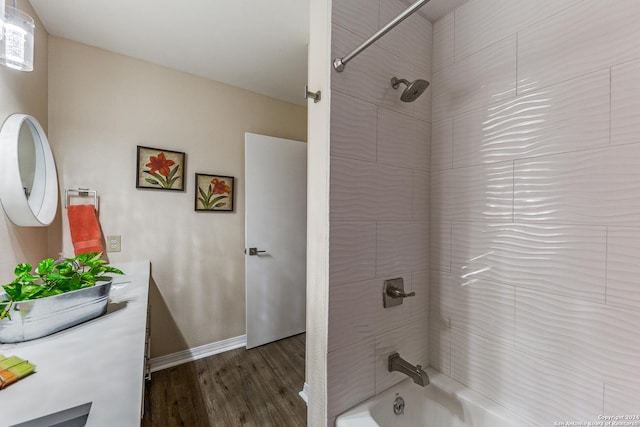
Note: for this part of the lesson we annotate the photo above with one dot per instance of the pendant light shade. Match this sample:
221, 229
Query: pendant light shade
16, 43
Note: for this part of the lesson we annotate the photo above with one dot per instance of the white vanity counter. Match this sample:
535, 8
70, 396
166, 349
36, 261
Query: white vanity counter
100, 361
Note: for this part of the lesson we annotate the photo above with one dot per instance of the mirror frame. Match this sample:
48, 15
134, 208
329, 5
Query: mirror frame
14, 201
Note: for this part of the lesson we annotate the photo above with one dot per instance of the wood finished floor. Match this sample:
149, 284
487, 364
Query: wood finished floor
253, 388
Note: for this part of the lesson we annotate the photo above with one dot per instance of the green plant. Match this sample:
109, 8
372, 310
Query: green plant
53, 278
208, 200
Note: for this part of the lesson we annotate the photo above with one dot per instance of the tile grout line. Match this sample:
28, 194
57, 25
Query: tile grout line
377, 130
515, 299
610, 102
513, 192
517, 45
606, 263
453, 140
451, 247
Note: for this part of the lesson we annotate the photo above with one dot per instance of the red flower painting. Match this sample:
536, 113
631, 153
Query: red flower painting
160, 164
163, 172
220, 186
214, 193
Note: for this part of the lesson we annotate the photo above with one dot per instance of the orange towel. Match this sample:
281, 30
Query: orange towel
85, 230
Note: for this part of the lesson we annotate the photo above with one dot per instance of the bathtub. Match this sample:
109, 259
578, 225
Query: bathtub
443, 403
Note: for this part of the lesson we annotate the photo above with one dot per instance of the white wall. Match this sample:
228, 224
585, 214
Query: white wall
318, 213
379, 198
535, 205
26, 93
101, 105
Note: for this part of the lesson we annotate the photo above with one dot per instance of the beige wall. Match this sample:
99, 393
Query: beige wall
101, 105
25, 93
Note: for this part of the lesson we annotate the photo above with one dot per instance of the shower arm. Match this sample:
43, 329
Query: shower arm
340, 63
395, 82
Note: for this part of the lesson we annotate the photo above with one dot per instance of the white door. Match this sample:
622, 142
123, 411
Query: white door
275, 237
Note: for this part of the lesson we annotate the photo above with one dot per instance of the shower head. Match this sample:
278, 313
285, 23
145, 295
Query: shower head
414, 89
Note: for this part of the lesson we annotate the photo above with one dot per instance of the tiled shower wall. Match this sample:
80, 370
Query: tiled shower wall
379, 202
535, 205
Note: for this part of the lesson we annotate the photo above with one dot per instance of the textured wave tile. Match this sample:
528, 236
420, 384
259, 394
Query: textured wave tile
402, 140
623, 267
600, 186
439, 346
602, 34
358, 16
558, 258
350, 376
411, 341
390, 66
478, 80
368, 76
411, 40
402, 246
559, 118
538, 391
368, 191
623, 399
421, 187
362, 79
625, 103
442, 144
356, 312
353, 127
476, 193
349, 322
352, 249
420, 303
443, 43
440, 298
481, 307
482, 23
593, 338
440, 244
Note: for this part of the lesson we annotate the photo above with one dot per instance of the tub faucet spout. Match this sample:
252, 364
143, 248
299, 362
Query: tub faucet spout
397, 363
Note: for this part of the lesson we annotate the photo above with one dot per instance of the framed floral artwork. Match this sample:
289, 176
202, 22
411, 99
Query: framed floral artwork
214, 193
160, 169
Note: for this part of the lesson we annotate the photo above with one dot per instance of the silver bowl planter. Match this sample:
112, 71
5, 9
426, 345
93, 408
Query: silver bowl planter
44, 316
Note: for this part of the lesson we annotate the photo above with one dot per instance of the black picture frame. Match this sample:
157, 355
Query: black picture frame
214, 193
160, 169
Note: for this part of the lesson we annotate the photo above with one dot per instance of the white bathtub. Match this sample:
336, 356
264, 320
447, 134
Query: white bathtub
443, 403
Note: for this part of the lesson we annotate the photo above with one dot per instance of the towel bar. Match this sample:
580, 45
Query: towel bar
80, 192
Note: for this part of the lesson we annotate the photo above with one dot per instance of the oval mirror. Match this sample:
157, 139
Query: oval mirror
28, 179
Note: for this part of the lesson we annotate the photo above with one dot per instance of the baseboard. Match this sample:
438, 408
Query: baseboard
189, 355
304, 394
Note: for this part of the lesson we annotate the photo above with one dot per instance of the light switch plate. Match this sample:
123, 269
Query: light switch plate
114, 243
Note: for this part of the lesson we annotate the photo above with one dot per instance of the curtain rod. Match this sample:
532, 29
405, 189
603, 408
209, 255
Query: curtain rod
340, 63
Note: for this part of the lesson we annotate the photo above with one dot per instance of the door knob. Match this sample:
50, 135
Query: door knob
255, 251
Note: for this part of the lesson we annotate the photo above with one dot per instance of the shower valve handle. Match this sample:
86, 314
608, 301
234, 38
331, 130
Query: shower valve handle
397, 293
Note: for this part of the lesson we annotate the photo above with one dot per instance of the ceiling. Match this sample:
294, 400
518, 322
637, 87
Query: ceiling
259, 45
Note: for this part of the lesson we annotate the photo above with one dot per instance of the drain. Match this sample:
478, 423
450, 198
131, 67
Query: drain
398, 406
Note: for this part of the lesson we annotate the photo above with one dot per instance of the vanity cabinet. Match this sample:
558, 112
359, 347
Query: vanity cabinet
103, 361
